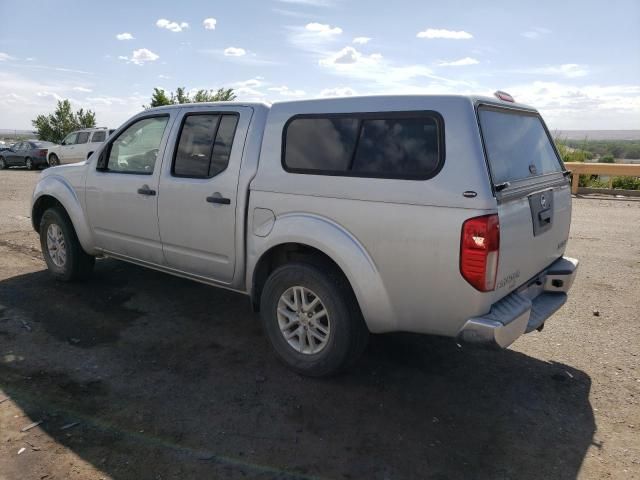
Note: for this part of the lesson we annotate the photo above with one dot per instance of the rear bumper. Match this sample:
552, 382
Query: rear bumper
525, 309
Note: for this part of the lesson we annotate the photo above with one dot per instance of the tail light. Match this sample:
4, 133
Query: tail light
41, 153
479, 250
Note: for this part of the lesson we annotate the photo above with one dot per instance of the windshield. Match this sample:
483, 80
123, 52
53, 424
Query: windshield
517, 145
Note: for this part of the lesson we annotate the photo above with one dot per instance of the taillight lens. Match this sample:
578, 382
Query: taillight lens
479, 250
42, 153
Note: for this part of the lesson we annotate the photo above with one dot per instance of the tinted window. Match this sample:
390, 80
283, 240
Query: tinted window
385, 145
398, 147
136, 148
222, 147
193, 155
83, 137
99, 136
205, 145
320, 144
517, 145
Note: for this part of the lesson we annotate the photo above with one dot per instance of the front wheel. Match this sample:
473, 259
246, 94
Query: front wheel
65, 258
53, 160
3, 164
312, 319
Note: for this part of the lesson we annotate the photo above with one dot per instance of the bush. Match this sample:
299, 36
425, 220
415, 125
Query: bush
626, 183
606, 159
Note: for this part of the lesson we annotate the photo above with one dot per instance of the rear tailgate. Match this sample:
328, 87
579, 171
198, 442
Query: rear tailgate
534, 197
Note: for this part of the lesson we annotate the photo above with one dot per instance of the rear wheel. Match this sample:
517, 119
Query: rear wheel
65, 258
53, 160
312, 319
3, 164
28, 163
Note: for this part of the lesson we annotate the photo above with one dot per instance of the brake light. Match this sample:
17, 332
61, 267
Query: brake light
42, 153
479, 251
504, 96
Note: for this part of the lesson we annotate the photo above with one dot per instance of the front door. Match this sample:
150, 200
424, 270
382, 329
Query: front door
197, 202
122, 190
67, 148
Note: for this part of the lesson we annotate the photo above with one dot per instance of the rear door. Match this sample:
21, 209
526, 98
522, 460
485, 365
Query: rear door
15, 155
534, 197
198, 191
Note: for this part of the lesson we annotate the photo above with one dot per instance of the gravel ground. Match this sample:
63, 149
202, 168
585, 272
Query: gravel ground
157, 377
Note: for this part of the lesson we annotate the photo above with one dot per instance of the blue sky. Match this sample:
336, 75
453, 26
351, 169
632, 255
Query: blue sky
577, 61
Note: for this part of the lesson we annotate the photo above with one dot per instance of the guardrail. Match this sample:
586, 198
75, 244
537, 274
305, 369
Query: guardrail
612, 169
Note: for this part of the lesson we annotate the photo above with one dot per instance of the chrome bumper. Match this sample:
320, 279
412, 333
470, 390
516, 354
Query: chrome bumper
524, 310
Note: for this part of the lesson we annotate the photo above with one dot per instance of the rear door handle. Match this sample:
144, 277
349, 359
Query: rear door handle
218, 199
145, 190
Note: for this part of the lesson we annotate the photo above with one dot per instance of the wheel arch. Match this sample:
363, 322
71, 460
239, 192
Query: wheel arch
319, 240
54, 191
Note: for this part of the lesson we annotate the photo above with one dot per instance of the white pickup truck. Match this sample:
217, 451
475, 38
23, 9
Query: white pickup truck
442, 215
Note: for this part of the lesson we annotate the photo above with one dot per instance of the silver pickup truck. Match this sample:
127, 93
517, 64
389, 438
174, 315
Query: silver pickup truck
443, 215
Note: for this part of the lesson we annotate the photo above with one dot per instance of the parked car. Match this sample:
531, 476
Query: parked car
30, 154
442, 215
78, 146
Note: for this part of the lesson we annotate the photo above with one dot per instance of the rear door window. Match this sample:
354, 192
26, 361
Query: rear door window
83, 137
204, 146
517, 145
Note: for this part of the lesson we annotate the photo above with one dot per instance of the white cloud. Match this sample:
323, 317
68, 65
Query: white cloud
460, 63
287, 92
443, 33
209, 23
5, 56
171, 26
234, 52
82, 89
361, 40
567, 70
349, 56
567, 106
163, 77
323, 29
251, 83
338, 92
536, 33
140, 56
125, 36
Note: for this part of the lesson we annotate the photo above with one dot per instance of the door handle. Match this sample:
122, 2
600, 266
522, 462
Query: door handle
218, 199
145, 190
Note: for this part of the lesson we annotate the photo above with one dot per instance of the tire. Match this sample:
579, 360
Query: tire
53, 160
3, 164
28, 163
75, 264
347, 333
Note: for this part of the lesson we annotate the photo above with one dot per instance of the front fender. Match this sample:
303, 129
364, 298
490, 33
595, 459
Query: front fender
343, 248
59, 188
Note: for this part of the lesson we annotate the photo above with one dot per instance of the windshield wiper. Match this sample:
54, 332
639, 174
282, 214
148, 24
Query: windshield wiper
501, 186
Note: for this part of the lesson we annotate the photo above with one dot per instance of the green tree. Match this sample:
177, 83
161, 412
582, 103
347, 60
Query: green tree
606, 159
160, 98
54, 127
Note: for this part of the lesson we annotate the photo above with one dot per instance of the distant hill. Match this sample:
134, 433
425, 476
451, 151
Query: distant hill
6, 132
597, 134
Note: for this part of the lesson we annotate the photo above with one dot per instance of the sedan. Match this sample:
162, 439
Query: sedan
30, 154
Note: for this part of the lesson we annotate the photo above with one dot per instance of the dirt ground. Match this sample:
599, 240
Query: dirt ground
139, 375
